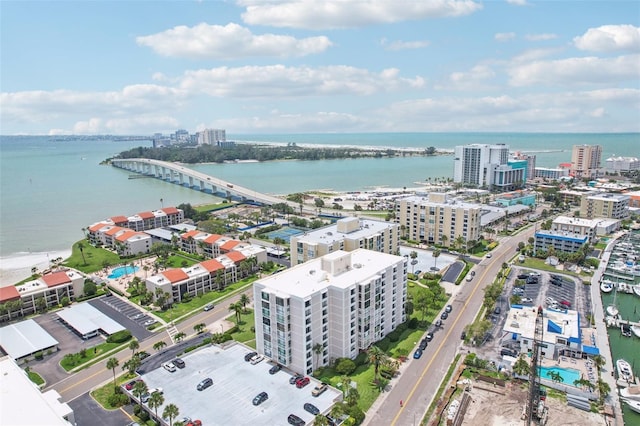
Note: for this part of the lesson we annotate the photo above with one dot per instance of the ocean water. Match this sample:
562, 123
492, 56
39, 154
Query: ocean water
50, 190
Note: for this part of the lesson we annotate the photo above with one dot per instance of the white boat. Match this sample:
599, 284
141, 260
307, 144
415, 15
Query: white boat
633, 405
612, 309
624, 370
635, 330
631, 392
606, 286
636, 289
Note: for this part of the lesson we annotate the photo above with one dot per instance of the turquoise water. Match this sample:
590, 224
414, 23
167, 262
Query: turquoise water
122, 270
569, 375
33, 170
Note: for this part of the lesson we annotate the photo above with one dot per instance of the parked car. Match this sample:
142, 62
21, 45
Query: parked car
178, 362
129, 386
473, 273
444, 315
448, 308
194, 423
149, 322
208, 306
250, 355
295, 378
142, 355
469, 277
556, 283
169, 366
256, 359
423, 344
302, 382
144, 398
438, 323
185, 420
523, 276
138, 316
565, 303
318, 390
275, 369
295, 420
488, 255
497, 310
310, 408
205, 384
260, 398
526, 300
463, 335
508, 352
417, 354
418, 272
429, 336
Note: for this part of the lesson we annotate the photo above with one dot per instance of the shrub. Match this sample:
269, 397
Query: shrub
394, 336
345, 366
356, 414
64, 301
38, 355
361, 359
413, 323
90, 288
384, 344
119, 336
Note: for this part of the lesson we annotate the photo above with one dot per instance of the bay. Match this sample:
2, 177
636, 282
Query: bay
51, 189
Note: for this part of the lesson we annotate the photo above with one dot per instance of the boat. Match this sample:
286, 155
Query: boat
612, 309
606, 286
625, 329
633, 405
624, 370
631, 392
635, 330
636, 289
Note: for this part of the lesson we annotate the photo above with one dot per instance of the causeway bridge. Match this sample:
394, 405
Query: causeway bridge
180, 175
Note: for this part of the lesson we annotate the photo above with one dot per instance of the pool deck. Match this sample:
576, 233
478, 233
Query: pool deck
122, 283
586, 368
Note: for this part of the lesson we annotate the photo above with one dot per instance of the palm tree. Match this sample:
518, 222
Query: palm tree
81, 248
317, 349
180, 336
155, 400
170, 412
112, 363
132, 365
159, 345
436, 254
376, 356
244, 300
321, 420
139, 389
555, 377
199, 327
444, 240
346, 385
521, 366
599, 361
603, 389
134, 346
237, 308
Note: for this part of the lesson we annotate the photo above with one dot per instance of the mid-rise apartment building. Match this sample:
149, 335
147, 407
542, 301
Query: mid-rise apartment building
551, 173
212, 136
585, 161
487, 166
614, 206
144, 221
622, 164
438, 219
343, 301
346, 234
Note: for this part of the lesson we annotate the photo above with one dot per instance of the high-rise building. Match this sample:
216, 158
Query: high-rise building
212, 137
438, 219
342, 302
346, 234
486, 166
585, 161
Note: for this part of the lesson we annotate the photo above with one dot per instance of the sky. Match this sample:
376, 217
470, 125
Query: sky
334, 66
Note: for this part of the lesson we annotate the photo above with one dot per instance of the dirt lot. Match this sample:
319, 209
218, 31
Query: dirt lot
504, 408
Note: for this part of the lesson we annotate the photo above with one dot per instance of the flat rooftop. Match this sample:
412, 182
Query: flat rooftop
330, 234
235, 384
24, 338
86, 319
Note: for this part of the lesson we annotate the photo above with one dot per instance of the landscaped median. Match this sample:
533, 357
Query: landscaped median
89, 356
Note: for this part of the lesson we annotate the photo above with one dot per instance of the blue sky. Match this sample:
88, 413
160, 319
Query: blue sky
301, 66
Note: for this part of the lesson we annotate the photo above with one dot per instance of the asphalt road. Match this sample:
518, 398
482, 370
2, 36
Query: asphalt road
420, 379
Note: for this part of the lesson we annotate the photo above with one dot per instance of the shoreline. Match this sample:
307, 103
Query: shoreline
17, 267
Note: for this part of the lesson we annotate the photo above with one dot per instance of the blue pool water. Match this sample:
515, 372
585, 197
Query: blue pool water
569, 375
122, 270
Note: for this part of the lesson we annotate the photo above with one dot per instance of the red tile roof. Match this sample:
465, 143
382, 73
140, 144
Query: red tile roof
119, 219
97, 226
170, 210
188, 234
126, 235
236, 256
9, 292
57, 278
175, 275
212, 238
113, 230
212, 265
229, 245
146, 215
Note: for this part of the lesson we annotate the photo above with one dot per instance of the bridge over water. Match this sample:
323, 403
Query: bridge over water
184, 176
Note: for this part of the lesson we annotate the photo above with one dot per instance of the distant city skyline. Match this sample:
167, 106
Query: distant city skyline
298, 66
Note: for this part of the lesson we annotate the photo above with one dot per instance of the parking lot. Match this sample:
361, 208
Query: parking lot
129, 316
235, 383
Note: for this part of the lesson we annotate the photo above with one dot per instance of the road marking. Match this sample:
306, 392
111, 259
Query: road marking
424, 371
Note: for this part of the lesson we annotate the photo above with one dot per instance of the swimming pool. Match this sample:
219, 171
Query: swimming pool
569, 375
122, 270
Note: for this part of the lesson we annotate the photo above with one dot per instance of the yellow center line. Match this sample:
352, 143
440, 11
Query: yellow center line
426, 368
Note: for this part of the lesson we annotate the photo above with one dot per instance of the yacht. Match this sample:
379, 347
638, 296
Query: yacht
624, 370
636, 289
633, 405
635, 330
606, 286
631, 392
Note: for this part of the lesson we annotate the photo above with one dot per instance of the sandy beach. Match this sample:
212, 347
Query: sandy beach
17, 267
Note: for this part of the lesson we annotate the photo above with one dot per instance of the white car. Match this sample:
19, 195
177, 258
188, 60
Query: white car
527, 300
256, 359
149, 322
169, 366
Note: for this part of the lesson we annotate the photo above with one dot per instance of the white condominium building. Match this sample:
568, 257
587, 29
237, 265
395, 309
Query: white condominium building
212, 136
346, 234
438, 219
341, 302
486, 166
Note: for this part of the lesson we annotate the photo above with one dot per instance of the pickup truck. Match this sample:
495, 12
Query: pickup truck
318, 390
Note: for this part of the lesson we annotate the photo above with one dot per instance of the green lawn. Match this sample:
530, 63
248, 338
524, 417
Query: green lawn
35, 377
92, 355
363, 376
102, 394
531, 262
94, 258
246, 324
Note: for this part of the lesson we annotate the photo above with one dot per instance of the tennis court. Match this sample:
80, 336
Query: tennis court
285, 233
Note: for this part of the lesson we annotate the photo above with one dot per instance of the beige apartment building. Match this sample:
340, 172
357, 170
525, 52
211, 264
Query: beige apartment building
346, 234
342, 301
585, 161
438, 219
614, 206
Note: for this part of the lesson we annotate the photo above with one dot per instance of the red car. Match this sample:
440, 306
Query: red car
129, 386
194, 423
302, 382
565, 303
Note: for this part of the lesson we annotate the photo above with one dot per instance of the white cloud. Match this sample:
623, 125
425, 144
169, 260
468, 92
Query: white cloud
540, 37
403, 45
534, 54
609, 38
518, 2
231, 41
504, 36
474, 79
330, 14
574, 71
290, 82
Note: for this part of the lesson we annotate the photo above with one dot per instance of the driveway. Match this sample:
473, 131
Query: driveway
88, 412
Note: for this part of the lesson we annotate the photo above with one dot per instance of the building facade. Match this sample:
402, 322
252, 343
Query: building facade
585, 161
438, 219
341, 303
346, 234
212, 136
551, 173
486, 166
622, 164
613, 206
558, 241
